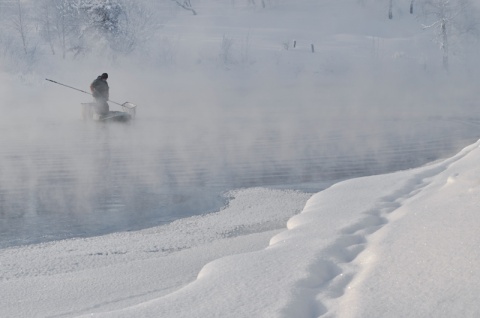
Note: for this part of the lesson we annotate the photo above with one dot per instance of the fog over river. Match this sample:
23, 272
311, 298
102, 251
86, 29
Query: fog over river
61, 177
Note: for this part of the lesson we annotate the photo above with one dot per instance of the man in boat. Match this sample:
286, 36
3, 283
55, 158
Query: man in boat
100, 92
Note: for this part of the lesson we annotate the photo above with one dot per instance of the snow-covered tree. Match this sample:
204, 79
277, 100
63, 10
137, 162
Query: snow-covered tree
101, 24
78, 27
137, 26
103, 15
449, 19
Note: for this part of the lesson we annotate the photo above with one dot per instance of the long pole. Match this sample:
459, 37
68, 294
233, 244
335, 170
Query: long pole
68, 86
80, 90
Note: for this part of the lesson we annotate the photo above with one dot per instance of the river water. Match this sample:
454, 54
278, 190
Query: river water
68, 178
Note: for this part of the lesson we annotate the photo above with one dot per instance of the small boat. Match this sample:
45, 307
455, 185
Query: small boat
127, 113
88, 109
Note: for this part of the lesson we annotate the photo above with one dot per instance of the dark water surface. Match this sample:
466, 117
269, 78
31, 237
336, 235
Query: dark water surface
61, 179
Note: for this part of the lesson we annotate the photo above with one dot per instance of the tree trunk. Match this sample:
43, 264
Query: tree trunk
21, 28
64, 36
390, 12
445, 45
49, 29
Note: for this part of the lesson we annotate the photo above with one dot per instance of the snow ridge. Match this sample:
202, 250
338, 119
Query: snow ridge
337, 264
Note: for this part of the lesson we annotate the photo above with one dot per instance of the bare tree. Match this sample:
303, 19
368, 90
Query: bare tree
186, 4
46, 21
57, 24
21, 24
226, 50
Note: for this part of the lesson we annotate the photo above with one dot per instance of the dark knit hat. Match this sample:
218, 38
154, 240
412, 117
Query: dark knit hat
104, 75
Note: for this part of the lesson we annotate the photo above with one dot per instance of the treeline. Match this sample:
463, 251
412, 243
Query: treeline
75, 27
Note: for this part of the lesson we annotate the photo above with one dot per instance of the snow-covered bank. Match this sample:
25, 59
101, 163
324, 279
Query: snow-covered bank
395, 245
70, 277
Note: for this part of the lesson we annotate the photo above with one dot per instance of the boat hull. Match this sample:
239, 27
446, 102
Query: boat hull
89, 114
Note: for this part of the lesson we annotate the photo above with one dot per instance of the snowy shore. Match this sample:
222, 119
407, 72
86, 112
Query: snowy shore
395, 245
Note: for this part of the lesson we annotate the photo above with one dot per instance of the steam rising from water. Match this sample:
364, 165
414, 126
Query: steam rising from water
197, 136
259, 116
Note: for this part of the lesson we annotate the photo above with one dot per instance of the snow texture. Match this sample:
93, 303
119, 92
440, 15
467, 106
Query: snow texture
397, 245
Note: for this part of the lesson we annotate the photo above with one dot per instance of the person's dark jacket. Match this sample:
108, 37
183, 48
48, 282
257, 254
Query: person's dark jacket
100, 89
100, 92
